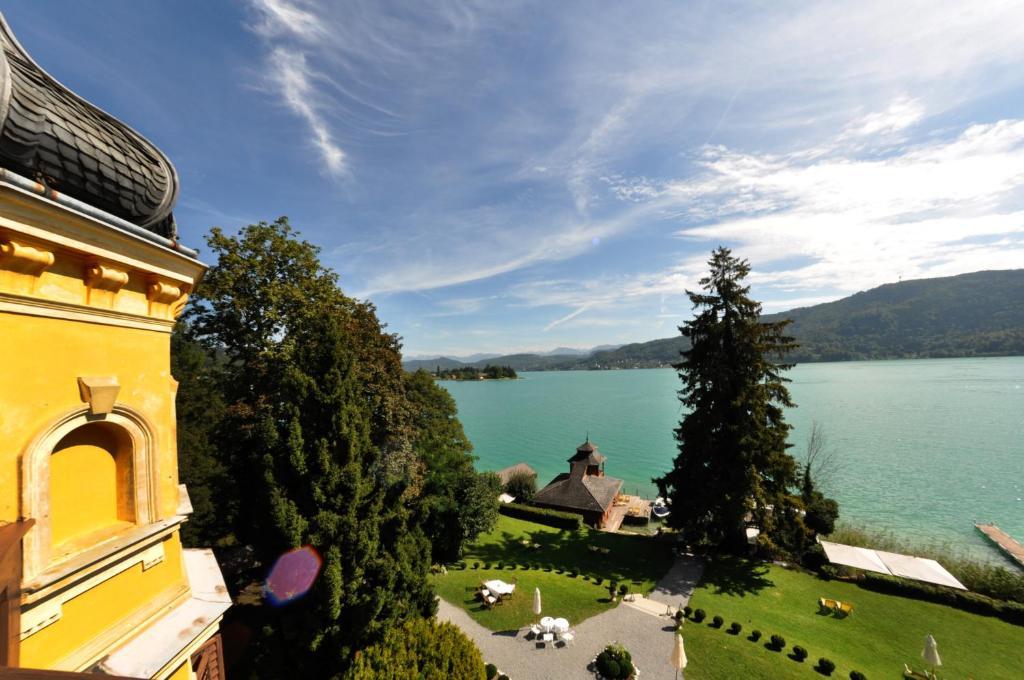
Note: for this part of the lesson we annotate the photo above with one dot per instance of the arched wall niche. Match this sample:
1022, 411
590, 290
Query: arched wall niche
137, 499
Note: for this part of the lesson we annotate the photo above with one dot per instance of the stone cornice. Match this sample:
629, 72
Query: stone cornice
57, 263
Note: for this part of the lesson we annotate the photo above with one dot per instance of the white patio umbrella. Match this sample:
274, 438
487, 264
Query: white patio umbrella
678, 658
536, 601
930, 653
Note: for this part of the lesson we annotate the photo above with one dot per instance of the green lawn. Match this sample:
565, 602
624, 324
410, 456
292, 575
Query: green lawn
634, 560
883, 633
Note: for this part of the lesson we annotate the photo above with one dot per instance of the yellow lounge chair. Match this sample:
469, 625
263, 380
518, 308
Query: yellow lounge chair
828, 604
844, 608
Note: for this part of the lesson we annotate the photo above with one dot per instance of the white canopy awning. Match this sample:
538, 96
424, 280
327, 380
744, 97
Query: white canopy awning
891, 564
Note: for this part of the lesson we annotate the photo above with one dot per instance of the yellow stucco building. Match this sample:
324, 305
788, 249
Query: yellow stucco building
92, 570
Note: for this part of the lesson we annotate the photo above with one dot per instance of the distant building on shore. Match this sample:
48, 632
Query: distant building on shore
513, 470
584, 489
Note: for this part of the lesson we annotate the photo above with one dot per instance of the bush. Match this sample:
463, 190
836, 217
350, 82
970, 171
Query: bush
501, 565
825, 667
423, 647
1011, 612
623, 589
551, 518
492, 671
476, 565
573, 573
799, 653
755, 635
598, 580
735, 628
717, 622
522, 486
687, 610
678, 616
778, 643
857, 675
502, 677
615, 662
699, 615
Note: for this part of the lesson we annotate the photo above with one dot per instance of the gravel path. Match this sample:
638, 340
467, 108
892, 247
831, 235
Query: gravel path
647, 637
679, 583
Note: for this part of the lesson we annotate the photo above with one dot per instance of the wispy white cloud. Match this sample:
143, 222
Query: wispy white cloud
290, 73
900, 114
279, 17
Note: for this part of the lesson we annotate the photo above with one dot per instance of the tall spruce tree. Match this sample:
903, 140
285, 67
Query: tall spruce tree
315, 439
732, 440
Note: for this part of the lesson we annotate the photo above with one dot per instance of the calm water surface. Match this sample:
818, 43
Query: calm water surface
927, 446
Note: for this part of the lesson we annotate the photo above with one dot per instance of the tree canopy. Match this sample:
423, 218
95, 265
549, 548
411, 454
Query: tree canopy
732, 462
315, 437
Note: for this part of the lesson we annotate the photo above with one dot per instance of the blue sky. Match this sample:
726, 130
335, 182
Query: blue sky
524, 175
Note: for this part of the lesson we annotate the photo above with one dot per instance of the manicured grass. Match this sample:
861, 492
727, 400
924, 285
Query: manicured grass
636, 561
882, 634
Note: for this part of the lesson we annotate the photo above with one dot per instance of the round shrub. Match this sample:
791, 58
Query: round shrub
476, 565
623, 589
487, 565
678, 616
492, 671
598, 580
573, 573
687, 610
615, 662
501, 565
699, 615
825, 666
857, 675
735, 628
778, 643
799, 653
755, 635
717, 622
503, 677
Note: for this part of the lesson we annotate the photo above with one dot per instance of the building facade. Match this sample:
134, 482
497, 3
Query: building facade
93, 572
584, 489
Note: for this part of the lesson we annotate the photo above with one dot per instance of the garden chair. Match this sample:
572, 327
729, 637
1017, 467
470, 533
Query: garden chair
825, 603
844, 608
548, 638
567, 637
536, 630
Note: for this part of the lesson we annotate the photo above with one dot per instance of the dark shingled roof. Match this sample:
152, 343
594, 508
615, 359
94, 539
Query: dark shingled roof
590, 492
508, 472
51, 135
588, 451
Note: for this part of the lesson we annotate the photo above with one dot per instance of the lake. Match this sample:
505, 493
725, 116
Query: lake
926, 446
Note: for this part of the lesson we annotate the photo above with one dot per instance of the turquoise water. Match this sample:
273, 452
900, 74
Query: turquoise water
926, 446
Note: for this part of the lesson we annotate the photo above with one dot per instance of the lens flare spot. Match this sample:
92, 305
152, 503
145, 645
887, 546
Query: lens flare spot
293, 575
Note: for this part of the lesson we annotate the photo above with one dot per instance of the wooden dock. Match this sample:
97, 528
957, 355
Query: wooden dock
1006, 543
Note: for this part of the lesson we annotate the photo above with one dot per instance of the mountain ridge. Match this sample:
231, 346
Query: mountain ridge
975, 314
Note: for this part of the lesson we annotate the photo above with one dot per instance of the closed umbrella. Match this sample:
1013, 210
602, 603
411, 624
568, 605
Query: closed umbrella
678, 658
930, 653
536, 601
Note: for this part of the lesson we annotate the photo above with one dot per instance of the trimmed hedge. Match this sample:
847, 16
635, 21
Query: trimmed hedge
778, 643
755, 635
698, 616
552, 518
717, 622
735, 628
825, 666
857, 675
799, 653
1011, 612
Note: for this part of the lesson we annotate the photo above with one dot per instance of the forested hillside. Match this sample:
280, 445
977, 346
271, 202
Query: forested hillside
977, 314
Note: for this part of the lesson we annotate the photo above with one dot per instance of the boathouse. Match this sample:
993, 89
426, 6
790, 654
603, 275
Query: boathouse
585, 489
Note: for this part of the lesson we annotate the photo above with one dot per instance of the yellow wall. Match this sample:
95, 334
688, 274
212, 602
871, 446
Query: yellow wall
183, 672
42, 384
90, 484
81, 300
125, 596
